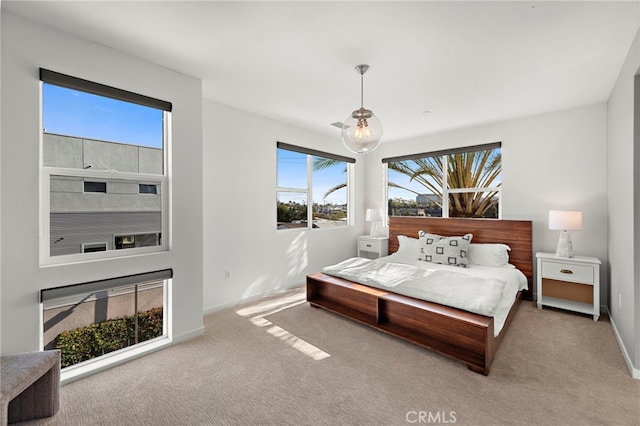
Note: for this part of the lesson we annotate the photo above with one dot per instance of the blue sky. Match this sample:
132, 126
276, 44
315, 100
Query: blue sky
404, 181
73, 113
292, 173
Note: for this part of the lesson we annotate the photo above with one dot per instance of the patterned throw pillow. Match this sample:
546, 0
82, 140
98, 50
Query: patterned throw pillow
445, 250
425, 239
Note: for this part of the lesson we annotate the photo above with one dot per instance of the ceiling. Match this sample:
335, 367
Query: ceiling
434, 65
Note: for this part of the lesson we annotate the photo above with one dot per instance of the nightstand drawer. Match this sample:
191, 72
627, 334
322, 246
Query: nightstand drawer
569, 283
369, 245
373, 247
568, 272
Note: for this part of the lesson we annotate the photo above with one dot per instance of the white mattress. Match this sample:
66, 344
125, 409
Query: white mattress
502, 283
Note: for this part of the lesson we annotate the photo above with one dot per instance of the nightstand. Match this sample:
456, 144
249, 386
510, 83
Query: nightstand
373, 247
569, 283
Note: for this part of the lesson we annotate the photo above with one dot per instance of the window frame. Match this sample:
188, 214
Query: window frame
446, 191
52, 298
310, 153
164, 179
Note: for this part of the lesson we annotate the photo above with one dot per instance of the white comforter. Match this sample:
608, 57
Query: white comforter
488, 291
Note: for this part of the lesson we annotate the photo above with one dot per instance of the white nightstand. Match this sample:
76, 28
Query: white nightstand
569, 283
373, 247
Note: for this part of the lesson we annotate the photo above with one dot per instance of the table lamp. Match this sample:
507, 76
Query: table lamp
564, 221
374, 216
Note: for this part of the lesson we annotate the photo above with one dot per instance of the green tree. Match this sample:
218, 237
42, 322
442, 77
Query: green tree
290, 211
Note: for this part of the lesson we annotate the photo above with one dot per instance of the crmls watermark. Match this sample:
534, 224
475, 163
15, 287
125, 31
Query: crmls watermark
432, 417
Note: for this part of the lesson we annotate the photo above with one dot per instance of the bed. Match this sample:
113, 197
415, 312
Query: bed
463, 335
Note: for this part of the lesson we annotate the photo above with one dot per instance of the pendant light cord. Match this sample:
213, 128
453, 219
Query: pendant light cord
361, 90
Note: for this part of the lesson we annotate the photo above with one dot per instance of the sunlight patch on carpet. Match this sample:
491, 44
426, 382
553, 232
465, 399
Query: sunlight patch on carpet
272, 304
299, 344
260, 310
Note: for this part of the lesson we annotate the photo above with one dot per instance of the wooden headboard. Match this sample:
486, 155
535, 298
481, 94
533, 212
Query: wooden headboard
515, 233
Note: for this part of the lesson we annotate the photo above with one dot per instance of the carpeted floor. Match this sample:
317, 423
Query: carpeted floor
280, 362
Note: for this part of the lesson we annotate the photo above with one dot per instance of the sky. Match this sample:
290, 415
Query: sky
403, 180
74, 113
292, 173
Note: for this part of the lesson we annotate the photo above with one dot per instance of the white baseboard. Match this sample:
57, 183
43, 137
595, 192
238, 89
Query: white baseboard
635, 372
188, 335
218, 308
253, 298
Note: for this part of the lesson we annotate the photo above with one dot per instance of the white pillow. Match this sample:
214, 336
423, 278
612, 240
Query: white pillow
489, 254
408, 246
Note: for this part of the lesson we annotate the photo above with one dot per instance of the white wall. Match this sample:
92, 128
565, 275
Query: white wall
26, 47
624, 188
240, 210
550, 161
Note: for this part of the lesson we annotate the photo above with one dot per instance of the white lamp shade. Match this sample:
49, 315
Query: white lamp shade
374, 215
561, 220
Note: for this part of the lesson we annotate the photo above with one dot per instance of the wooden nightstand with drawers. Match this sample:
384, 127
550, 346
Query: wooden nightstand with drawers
569, 283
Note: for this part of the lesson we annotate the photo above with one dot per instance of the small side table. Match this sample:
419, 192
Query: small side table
30, 387
373, 247
569, 283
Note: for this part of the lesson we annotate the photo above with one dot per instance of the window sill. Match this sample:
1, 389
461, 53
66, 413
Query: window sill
88, 368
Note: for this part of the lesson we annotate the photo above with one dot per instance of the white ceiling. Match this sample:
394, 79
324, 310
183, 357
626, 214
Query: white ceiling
465, 62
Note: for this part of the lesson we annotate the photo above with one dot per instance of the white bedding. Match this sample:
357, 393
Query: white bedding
485, 290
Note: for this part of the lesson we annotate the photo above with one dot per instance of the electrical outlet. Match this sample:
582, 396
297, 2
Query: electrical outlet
227, 275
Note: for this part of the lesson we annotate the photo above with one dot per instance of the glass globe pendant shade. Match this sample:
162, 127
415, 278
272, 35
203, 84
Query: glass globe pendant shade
361, 131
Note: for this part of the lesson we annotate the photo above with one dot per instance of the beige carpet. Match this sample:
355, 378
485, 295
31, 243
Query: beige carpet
281, 362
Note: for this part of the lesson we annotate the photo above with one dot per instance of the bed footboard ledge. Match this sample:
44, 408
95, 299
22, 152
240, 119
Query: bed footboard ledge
459, 334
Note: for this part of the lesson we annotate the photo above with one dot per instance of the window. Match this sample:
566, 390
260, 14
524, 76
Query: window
140, 240
95, 186
88, 320
99, 139
145, 188
94, 247
463, 182
312, 178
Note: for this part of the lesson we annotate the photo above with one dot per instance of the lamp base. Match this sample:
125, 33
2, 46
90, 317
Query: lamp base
565, 247
374, 233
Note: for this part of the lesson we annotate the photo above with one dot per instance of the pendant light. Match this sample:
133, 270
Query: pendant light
362, 130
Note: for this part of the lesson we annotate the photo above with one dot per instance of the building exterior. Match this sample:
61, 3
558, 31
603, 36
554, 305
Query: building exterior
95, 212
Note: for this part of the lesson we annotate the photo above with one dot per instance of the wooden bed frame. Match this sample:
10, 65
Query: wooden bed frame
462, 335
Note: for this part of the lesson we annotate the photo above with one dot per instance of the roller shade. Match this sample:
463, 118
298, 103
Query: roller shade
317, 153
472, 148
70, 82
101, 285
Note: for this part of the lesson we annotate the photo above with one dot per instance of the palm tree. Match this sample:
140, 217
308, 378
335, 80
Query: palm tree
321, 163
475, 169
